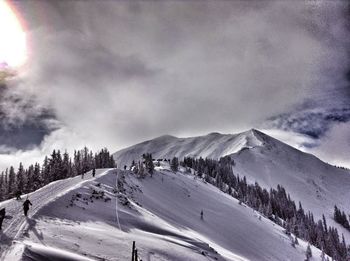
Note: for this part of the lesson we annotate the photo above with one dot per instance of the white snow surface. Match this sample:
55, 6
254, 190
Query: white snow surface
15, 222
161, 213
263, 159
213, 145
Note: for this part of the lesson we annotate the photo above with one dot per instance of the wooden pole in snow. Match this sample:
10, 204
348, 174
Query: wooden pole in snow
133, 251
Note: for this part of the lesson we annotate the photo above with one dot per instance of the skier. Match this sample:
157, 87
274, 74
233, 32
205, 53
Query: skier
18, 195
202, 214
26, 206
2, 216
93, 172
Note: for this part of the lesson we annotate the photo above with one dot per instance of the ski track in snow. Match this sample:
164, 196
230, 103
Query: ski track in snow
116, 201
14, 209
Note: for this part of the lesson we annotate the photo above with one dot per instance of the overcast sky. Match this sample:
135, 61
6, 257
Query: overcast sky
114, 73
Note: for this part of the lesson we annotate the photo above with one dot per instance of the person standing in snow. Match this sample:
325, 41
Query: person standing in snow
26, 206
202, 214
2, 216
18, 195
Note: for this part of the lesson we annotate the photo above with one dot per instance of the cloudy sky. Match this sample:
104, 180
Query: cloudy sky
114, 73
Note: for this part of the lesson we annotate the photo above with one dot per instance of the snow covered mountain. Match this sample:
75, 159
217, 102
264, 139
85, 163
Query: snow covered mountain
213, 145
263, 159
98, 218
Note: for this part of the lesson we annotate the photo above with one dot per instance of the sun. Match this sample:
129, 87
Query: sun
13, 50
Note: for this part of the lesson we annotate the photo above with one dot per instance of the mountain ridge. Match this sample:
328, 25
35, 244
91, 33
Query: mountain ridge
247, 141
262, 159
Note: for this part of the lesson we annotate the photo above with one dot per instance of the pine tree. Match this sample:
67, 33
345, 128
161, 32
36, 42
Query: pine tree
148, 160
11, 181
78, 165
20, 178
66, 165
29, 173
57, 166
337, 214
36, 178
174, 165
45, 172
141, 170
2, 186
86, 163
324, 223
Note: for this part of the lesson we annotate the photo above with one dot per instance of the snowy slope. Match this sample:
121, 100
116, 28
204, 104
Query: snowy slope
213, 145
161, 213
259, 157
15, 222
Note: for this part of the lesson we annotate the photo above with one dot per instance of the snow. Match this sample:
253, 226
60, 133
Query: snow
161, 213
263, 159
15, 221
213, 145
39, 252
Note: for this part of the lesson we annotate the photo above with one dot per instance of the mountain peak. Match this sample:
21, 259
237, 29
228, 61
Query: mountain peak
255, 132
214, 134
253, 137
213, 145
166, 137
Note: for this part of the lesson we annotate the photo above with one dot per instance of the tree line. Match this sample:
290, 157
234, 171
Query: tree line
54, 167
341, 218
144, 166
275, 204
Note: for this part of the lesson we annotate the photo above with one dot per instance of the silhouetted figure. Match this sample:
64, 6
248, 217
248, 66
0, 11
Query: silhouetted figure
93, 172
125, 167
202, 214
2, 216
18, 194
26, 206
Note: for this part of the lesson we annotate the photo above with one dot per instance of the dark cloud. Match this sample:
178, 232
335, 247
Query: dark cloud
314, 123
25, 137
23, 125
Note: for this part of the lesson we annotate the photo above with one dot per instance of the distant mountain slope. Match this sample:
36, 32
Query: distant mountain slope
213, 145
263, 159
161, 213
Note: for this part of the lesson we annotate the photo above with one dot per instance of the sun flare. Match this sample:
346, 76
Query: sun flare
13, 51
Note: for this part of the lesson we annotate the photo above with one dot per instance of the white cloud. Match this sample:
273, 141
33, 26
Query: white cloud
334, 148
62, 139
293, 139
